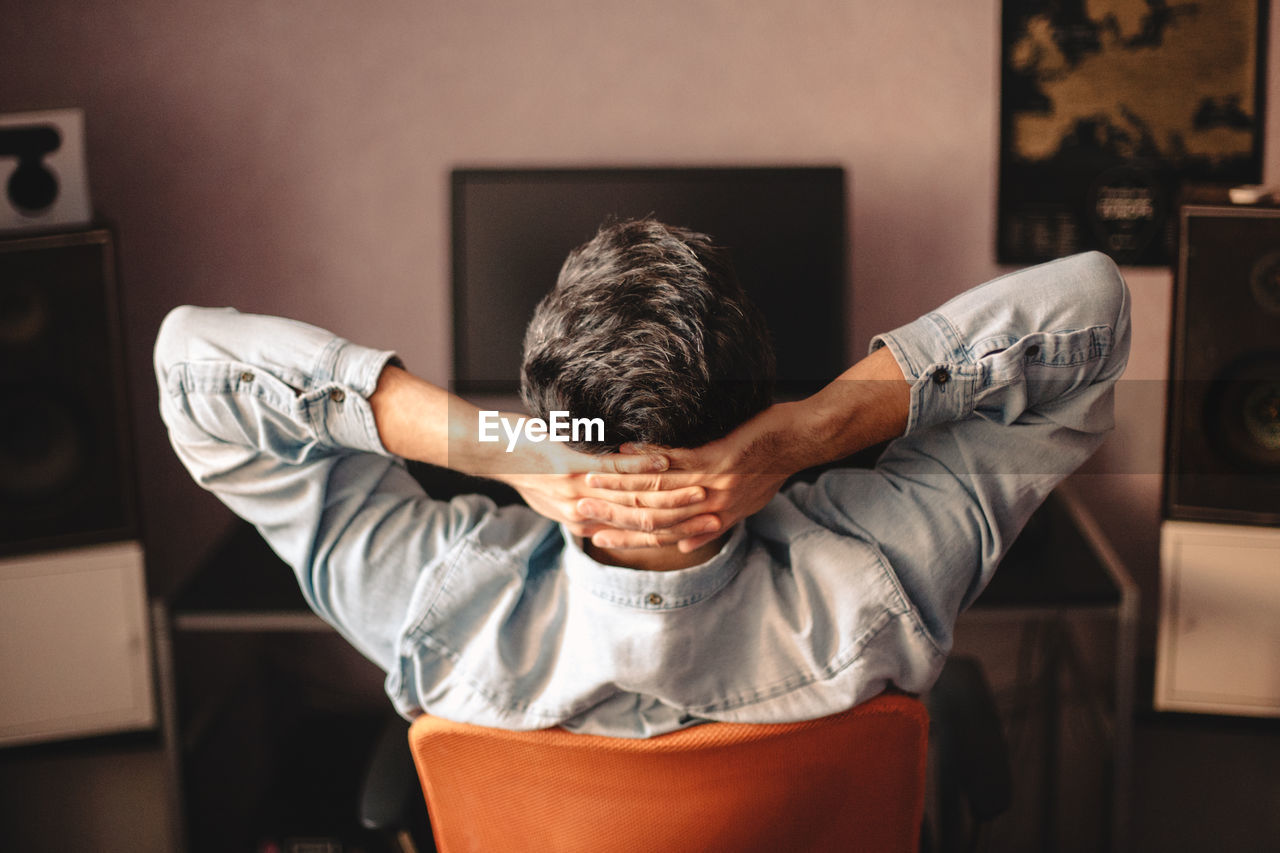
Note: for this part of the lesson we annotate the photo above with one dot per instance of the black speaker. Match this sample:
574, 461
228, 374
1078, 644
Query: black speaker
1222, 458
65, 449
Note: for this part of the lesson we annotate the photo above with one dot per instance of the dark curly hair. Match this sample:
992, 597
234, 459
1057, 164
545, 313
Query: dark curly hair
649, 330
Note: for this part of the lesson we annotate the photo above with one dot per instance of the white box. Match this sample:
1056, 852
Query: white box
30, 134
1219, 641
75, 649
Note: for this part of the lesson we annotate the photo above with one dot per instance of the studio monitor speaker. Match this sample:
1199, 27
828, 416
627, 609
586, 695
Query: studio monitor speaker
1222, 459
65, 450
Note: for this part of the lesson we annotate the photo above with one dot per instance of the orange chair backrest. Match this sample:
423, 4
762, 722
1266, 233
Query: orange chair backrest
852, 781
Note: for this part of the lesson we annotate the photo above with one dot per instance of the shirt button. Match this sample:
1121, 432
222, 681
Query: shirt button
654, 599
1033, 351
941, 376
246, 377
337, 395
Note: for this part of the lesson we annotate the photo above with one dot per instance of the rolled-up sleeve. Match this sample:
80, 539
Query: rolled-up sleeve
1017, 342
221, 371
1012, 387
273, 417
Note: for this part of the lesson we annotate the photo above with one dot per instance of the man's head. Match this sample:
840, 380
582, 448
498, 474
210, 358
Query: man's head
648, 329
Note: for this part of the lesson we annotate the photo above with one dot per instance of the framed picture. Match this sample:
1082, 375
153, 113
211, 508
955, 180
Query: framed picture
1108, 107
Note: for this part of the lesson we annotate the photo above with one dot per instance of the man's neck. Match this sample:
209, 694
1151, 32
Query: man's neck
663, 558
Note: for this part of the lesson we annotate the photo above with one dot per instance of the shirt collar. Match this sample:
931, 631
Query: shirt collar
650, 590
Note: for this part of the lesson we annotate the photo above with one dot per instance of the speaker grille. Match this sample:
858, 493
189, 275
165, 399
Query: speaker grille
1223, 450
65, 457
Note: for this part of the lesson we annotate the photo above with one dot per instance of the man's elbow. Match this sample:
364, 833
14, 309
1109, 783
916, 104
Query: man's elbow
171, 341
1102, 288
1104, 296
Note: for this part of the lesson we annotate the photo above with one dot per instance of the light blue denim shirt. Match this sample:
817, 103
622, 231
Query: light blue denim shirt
827, 596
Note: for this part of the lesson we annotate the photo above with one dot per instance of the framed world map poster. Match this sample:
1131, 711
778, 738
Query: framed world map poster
1108, 106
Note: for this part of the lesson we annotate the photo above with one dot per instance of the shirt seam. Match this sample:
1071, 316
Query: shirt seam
418, 630
954, 341
798, 681
326, 363
184, 383
668, 604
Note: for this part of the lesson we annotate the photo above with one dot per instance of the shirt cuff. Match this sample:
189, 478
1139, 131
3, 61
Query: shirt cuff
931, 355
339, 405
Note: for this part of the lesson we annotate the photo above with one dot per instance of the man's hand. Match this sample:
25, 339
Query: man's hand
554, 482
418, 420
739, 473
651, 496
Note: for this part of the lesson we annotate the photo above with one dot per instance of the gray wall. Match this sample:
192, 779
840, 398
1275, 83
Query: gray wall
292, 157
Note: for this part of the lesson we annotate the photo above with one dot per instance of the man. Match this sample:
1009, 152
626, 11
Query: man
745, 603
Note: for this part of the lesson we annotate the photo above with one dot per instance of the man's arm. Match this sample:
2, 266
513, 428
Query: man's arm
1000, 394
297, 431
418, 420
869, 403
272, 416
1013, 387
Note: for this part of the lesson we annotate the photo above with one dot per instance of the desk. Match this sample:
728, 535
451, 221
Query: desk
1061, 567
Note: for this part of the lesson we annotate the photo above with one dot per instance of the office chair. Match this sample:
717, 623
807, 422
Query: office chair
970, 779
850, 781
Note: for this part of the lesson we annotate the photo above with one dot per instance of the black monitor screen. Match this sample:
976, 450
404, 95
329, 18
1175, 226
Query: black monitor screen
784, 228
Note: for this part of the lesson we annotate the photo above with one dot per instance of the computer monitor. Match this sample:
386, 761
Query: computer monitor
784, 229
